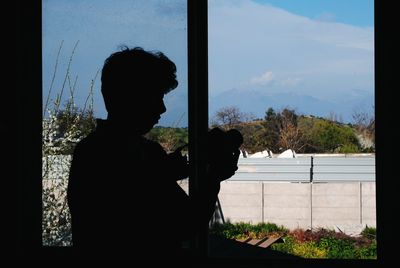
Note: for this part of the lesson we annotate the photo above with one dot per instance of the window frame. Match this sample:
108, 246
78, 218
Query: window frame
29, 92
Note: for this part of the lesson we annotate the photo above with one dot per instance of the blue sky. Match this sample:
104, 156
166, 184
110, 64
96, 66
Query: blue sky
353, 12
264, 52
301, 48
101, 26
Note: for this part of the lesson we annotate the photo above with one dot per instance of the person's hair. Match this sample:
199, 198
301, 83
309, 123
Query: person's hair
136, 72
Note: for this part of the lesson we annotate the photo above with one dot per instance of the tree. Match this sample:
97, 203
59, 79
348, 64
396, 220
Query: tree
281, 130
327, 136
290, 136
252, 136
228, 117
272, 129
365, 126
62, 129
334, 117
169, 137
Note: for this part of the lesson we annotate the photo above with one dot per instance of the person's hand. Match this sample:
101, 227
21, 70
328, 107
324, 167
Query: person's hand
223, 153
178, 164
226, 166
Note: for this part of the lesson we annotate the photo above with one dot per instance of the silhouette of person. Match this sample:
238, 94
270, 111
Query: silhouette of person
123, 193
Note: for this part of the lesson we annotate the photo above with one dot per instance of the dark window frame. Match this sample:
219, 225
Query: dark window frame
28, 241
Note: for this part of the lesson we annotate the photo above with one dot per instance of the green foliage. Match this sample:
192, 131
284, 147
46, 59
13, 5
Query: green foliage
368, 150
253, 136
301, 249
246, 230
348, 149
326, 136
168, 137
338, 248
369, 232
84, 120
309, 250
285, 247
367, 252
62, 128
319, 243
271, 130
337, 245
305, 134
75, 120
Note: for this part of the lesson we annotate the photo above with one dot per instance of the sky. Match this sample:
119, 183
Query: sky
354, 12
287, 51
322, 49
101, 27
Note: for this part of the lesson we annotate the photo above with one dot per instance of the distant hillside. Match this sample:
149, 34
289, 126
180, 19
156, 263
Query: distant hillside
304, 134
255, 102
310, 135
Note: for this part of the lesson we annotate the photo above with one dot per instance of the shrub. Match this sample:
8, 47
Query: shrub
309, 250
329, 136
320, 243
368, 252
56, 220
369, 232
285, 247
338, 248
246, 230
62, 129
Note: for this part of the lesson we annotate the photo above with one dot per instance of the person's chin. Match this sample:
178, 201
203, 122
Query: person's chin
148, 125
155, 122
145, 129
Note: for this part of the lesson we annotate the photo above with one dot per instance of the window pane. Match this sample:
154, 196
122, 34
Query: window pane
77, 37
297, 79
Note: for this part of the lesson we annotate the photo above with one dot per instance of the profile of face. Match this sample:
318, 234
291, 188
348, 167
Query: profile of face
150, 113
141, 112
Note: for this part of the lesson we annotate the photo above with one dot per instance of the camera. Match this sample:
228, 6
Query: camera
223, 144
223, 152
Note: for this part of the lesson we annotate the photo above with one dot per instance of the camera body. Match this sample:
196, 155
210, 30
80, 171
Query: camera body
222, 144
222, 154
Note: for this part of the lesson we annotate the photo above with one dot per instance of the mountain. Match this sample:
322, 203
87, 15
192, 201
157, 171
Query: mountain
255, 102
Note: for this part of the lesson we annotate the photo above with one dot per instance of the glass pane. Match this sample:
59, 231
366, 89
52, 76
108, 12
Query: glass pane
297, 79
77, 38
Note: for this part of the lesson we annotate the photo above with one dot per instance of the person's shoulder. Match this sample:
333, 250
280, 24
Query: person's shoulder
152, 147
88, 145
86, 142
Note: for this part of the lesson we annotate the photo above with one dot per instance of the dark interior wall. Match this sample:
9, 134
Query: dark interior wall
29, 90
29, 101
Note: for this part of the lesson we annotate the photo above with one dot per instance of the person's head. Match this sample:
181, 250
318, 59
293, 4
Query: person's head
133, 85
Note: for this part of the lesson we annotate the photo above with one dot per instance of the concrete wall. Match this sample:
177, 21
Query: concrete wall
348, 206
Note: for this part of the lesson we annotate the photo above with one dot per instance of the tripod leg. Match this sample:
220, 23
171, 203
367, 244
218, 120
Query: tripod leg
220, 210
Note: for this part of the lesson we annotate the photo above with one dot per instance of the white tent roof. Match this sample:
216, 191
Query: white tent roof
289, 153
262, 154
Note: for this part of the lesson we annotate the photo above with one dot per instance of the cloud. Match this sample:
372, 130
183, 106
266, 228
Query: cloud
290, 82
326, 17
306, 55
245, 39
269, 78
263, 79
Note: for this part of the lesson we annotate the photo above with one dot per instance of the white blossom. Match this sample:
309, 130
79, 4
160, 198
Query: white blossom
56, 221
